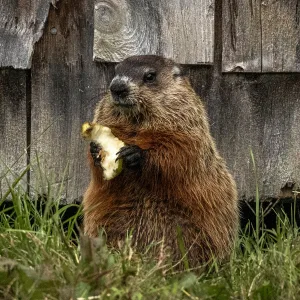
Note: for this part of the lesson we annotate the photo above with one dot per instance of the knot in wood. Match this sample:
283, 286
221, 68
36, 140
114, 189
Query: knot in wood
109, 16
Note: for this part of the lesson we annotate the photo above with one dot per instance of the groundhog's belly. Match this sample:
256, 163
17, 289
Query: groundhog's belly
153, 223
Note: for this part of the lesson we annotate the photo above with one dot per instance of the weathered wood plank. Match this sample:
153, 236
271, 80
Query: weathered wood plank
181, 29
124, 28
258, 112
21, 26
262, 113
241, 36
280, 36
13, 127
66, 84
187, 30
261, 36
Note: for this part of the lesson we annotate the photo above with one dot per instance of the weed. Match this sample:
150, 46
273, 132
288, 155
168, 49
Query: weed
42, 257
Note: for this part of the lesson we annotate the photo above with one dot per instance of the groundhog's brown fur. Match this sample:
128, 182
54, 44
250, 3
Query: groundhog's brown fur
183, 181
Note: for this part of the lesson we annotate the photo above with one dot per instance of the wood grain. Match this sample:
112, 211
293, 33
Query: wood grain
261, 36
181, 29
21, 26
281, 36
66, 84
187, 30
124, 28
241, 36
246, 111
260, 113
13, 127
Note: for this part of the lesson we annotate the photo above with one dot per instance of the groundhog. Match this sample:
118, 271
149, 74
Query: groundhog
174, 189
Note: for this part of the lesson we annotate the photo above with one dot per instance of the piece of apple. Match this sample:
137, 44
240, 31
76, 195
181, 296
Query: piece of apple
110, 145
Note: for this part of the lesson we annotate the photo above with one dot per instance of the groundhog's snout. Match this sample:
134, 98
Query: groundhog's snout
120, 90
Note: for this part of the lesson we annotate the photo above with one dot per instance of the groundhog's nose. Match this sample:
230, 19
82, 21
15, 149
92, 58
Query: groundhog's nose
119, 88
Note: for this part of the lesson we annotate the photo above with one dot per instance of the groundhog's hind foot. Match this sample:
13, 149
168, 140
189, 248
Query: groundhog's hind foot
95, 152
132, 156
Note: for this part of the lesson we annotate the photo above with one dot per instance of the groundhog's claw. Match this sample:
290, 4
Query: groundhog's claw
95, 152
132, 156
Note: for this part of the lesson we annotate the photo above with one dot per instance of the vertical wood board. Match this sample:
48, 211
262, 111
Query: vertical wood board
181, 29
257, 112
261, 114
13, 127
241, 36
21, 26
66, 84
187, 30
280, 36
261, 36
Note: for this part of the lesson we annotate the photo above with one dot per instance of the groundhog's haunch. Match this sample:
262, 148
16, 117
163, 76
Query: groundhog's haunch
172, 173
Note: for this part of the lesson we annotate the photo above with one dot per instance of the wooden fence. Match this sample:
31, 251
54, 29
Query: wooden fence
57, 59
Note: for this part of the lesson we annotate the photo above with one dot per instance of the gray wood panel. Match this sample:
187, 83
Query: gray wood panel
124, 28
13, 127
21, 26
258, 112
262, 113
281, 36
181, 29
246, 111
261, 36
66, 84
241, 36
187, 30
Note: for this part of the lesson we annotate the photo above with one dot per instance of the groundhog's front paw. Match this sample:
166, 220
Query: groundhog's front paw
132, 156
95, 152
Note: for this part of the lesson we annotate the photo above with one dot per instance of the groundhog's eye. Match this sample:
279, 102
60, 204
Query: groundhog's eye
150, 77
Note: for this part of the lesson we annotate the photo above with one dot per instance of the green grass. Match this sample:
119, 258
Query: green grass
40, 259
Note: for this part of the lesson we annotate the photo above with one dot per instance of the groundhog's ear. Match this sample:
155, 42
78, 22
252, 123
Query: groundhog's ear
178, 71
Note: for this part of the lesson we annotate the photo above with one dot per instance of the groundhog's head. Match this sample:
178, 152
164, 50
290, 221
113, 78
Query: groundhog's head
152, 90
